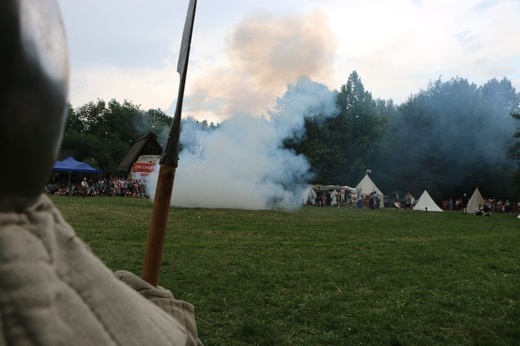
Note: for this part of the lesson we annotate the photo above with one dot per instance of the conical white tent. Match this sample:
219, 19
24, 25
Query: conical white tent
367, 186
475, 200
426, 203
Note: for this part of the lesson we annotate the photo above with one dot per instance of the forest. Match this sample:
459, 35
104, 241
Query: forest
448, 138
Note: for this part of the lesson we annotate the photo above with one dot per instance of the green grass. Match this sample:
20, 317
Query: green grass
324, 276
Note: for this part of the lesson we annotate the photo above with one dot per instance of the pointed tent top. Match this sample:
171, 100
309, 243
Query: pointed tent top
475, 200
426, 203
366, 186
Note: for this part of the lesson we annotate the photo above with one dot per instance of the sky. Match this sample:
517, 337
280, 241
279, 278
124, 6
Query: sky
245, 53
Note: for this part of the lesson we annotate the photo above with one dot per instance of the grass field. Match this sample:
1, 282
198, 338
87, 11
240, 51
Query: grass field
324, 276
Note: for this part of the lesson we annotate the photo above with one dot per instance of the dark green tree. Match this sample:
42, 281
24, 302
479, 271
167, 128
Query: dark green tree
363, 121
155, 121
514, 153
341, 147
453, 137
102, 133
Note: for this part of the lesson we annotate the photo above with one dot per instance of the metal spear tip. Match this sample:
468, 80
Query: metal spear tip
34, 72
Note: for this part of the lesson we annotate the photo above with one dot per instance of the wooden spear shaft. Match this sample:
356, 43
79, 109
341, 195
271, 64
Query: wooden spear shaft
157, 230
168, 166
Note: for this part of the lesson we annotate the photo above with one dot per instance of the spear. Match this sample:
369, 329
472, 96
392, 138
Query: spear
168, 165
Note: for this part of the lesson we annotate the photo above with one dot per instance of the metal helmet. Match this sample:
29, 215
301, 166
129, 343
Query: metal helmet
34, 73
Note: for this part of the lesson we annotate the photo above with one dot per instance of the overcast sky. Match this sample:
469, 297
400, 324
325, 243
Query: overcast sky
245, 52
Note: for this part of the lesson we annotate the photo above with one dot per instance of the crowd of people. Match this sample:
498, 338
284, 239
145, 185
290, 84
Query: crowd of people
122, 187
356, 199
119, 187
345, 198
489, 206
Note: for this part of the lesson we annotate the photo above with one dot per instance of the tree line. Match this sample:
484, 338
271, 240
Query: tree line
448, 138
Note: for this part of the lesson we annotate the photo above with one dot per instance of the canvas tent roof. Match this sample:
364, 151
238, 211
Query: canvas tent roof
145, 145
475, 200
333, 187
367, 186
72, 165
426, 203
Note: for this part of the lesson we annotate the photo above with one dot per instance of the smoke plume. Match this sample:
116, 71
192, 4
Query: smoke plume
263, 54
243, 164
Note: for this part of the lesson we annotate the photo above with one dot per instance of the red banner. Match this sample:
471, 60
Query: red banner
143, 167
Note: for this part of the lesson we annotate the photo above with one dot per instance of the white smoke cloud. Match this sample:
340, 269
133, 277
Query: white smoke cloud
242, 164
264, 52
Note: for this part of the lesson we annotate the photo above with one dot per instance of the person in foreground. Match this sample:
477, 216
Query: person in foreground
53, 290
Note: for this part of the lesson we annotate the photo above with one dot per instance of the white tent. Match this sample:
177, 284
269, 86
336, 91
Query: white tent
309, 195
475, 200
426, 203
366, 186
342, 190
333, 187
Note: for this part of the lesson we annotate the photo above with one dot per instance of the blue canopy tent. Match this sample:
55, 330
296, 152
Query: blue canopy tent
73, 166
